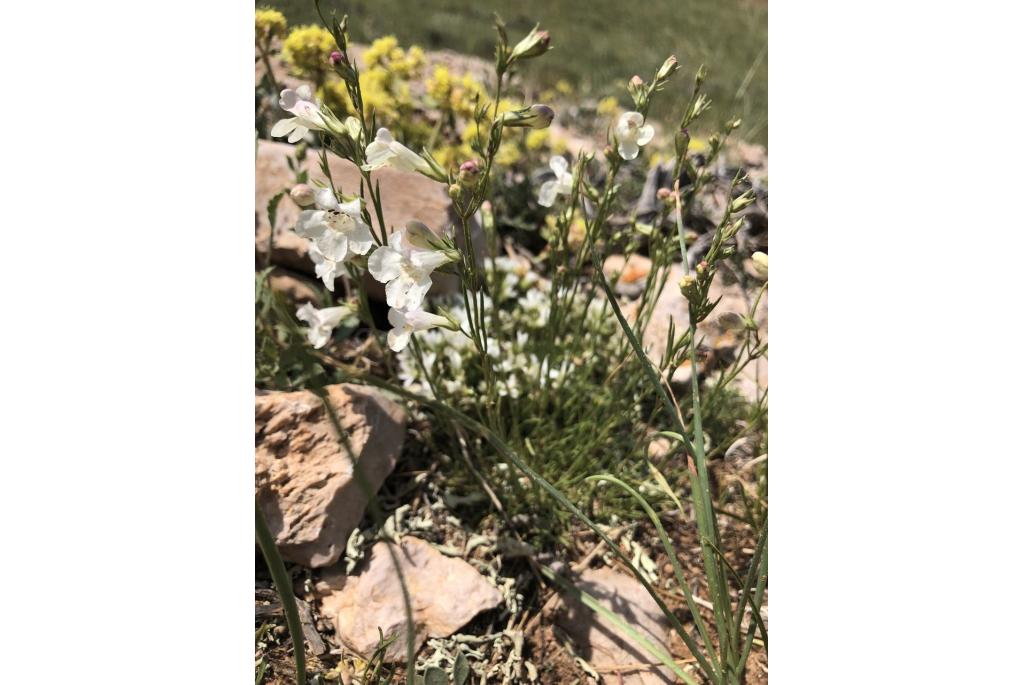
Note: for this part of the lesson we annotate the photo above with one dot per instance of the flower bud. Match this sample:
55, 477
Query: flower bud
418, 235
742, 202
469, 173
702, 267
302, 194
664, 193
455, 191
670, 67
687, 282
353, 127
534, 116
337, 57
760, 260
702, 73
535, 44
636, 81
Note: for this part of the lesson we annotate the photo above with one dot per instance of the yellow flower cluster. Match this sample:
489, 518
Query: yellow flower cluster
455, 94
386, 53
608, 106
269, 23
308, 50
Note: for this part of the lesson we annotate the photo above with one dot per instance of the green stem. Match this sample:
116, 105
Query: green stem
283, 583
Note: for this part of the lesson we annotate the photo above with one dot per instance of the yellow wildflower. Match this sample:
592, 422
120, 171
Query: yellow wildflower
608, 106
537, 139
308, 49
439, 86
269, 23
563, 87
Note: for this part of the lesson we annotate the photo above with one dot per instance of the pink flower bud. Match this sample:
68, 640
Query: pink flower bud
470, 166
636, 81
337, 57
664, 193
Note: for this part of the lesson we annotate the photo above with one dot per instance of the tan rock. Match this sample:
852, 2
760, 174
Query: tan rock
305, 481
603, 644
632, 273
446, 594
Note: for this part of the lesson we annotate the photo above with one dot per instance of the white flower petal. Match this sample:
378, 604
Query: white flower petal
398, 339
385, 264
289, 98
284, 127
559, 165
396, 317
298, 134
628, 149
360, 239
311, 224
377, 155
325, 199
645, 134
304, 92
548, 191
353, 209
333, 245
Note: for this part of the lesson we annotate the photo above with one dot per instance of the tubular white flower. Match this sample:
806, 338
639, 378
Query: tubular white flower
405, 267
306, 109
405, 323
562, 185
336, 232
631, 132
321, 322
386, 151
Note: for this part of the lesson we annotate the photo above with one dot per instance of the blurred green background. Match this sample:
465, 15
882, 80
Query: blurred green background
598, 44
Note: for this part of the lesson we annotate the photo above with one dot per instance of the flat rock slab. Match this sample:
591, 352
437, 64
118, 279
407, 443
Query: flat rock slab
305, 482
446, 594
602, 643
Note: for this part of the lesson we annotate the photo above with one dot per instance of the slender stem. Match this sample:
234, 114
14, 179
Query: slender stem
283, 583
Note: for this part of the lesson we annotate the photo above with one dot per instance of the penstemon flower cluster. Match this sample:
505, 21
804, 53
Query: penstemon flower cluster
545, 352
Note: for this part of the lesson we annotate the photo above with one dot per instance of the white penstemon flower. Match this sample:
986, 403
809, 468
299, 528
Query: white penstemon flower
306, 109
321, 322
405, 323
336, 232
386, 151
562, 185
631, 132
404, 265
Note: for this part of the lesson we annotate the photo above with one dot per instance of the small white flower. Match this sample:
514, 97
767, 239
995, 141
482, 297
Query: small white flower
562, 185
631, 132
306, 109
405, 267
336, 231
321, 322
386, 151
404, 324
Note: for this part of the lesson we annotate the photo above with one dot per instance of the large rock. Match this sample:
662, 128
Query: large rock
305, 481
446, 594
604, 644
405, 195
